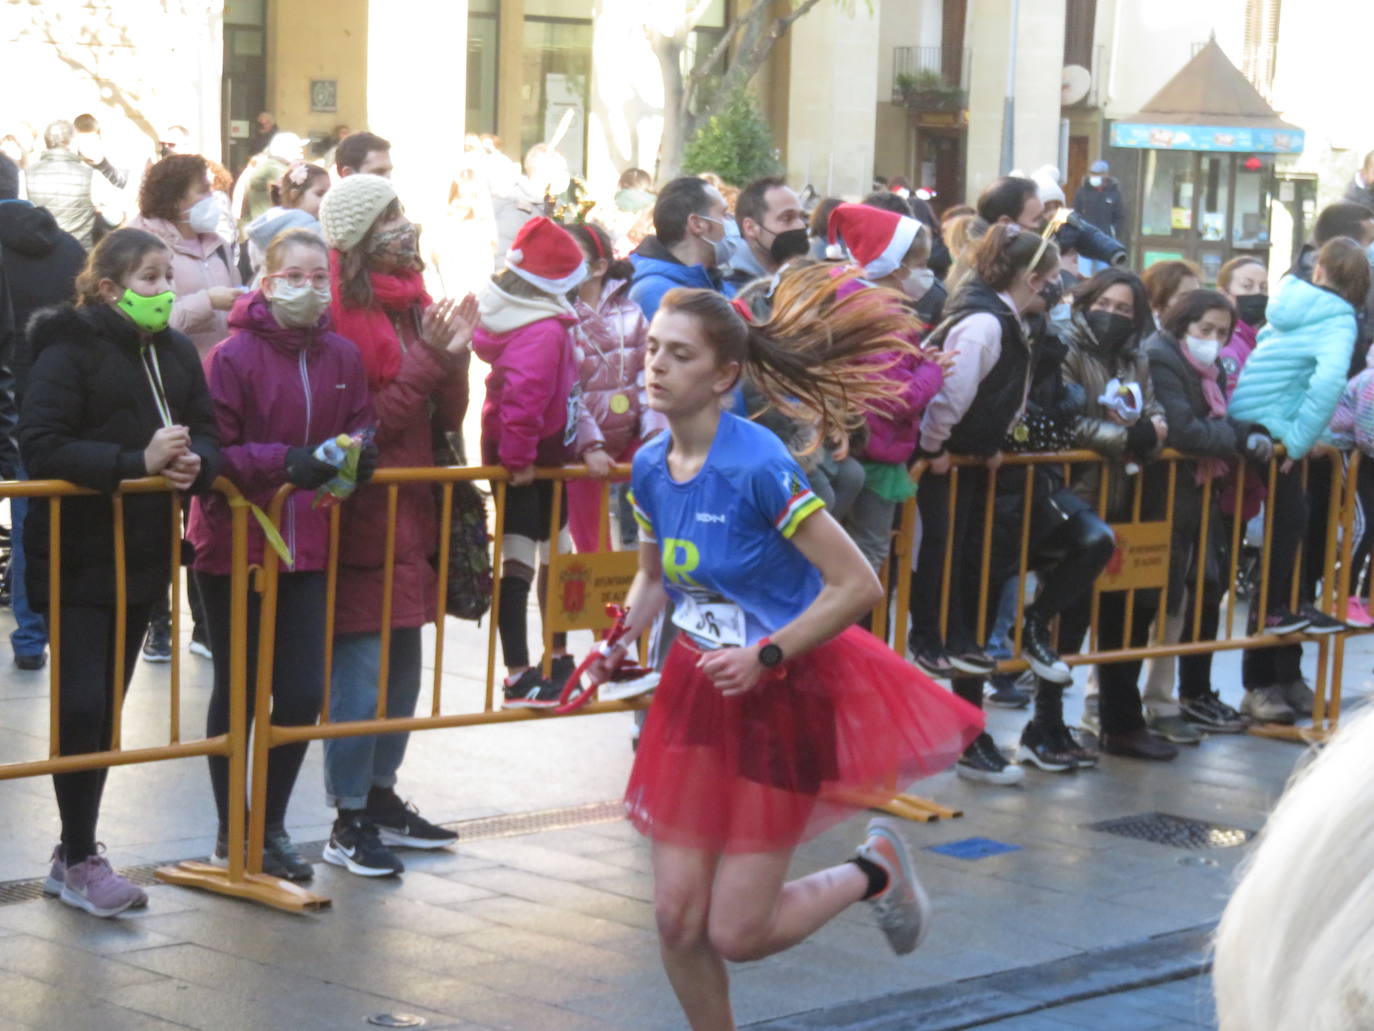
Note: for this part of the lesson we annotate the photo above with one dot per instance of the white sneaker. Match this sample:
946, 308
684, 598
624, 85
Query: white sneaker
638, 683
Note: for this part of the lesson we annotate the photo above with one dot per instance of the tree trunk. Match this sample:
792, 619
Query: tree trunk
676, 118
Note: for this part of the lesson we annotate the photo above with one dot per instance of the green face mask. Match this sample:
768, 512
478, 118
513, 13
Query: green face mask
149, 314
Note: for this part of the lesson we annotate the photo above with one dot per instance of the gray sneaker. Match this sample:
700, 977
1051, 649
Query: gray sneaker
1175, 729
93, 885
1300, 698
1091, 721
902, 908
1267, 705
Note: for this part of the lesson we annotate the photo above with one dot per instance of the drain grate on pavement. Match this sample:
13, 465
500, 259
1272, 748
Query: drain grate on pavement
508, 825
1176, 831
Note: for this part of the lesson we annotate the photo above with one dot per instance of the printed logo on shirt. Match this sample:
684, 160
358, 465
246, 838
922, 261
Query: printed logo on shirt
707, 517
680, 559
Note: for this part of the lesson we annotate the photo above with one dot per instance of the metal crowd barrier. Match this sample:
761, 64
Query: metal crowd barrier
580, 584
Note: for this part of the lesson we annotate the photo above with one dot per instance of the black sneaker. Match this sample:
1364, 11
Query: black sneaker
1070, 742
561, 672
530, 691
1003, 692
1319, 622
280, 858
1040, 654
1210, 713
1282, 621
30, 662
934, 662
973, 661
157, 645
983, 761
355, 845
400, 824
1043, 747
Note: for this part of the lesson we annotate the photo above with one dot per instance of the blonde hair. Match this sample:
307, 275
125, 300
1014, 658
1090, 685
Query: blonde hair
299, 236
1295, 947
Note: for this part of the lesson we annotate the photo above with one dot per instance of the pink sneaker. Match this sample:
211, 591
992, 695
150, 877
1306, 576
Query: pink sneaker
93, 885
1357, 613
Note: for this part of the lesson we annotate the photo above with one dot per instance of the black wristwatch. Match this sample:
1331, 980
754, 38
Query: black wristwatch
770, 655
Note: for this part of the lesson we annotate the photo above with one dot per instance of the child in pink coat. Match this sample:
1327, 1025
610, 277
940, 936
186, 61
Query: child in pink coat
533, 415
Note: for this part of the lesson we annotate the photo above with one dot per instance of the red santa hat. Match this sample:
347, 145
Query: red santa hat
877, 239
546, 256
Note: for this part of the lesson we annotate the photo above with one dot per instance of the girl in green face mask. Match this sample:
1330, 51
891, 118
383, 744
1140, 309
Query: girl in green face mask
113, 394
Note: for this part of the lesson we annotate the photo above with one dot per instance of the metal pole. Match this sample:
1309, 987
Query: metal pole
1009, 104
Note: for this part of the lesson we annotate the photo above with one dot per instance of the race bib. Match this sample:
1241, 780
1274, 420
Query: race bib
719, 624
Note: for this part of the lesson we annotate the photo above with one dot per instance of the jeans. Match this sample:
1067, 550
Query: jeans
30, 634
355, 765
1000, 637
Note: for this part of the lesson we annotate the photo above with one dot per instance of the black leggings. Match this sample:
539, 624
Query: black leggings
965, 531
1278, 664
297, 679
529, 514
86, 710
1085, 545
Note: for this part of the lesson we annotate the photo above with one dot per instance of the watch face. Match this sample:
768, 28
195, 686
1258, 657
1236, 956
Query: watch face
770, 655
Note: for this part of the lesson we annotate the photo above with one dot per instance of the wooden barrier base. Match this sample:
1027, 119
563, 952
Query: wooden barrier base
1300, 735
255, 887
908, 807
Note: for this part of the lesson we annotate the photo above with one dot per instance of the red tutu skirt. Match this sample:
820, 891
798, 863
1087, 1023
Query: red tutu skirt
766, 770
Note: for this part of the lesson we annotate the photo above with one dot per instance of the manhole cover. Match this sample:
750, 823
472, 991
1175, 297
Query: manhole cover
1177, 831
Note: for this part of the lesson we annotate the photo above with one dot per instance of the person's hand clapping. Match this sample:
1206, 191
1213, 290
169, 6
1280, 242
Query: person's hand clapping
448, 325
166, 444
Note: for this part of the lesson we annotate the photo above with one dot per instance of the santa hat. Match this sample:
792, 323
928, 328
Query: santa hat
546, 256
877, 239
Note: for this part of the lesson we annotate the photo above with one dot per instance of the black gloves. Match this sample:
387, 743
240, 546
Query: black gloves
367, 462
304, 470
1141, 438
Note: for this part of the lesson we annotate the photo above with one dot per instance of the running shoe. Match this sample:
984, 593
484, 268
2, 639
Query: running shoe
1282, 621
1071, 743
1138, 744
93, 885
561, 671
934, 662
529, 691
200, 641
1040, 655
984, 762
902, 908
281, 858
1300, 698
1319, 622
1041, 746
1174, 729
157, 645
1004, 692
355, 845
1268, 705
1356, 615
400, 825
1210, 713
973, 661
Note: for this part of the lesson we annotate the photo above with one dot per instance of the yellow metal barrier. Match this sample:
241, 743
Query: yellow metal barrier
603, 575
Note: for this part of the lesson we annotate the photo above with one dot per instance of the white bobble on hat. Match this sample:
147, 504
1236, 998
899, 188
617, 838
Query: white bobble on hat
351, 206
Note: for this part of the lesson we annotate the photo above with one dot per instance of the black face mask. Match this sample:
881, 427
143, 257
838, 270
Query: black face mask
791, 244
1251, 309
1109, 329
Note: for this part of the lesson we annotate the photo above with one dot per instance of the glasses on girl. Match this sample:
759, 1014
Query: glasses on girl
299, 277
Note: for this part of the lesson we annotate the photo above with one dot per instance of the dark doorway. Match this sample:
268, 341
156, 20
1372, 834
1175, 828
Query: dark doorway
244, 77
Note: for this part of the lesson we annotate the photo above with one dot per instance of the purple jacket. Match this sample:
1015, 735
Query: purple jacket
528, 344
1235, 352
275, 389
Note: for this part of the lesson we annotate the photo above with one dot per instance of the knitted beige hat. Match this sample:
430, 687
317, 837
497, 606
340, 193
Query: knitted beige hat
351, 206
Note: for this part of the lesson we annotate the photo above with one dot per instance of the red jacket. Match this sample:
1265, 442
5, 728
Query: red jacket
275, 389
402, 405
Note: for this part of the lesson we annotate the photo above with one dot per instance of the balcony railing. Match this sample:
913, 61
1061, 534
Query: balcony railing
930, 78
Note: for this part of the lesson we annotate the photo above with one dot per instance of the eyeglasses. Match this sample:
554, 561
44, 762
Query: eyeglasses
298, 277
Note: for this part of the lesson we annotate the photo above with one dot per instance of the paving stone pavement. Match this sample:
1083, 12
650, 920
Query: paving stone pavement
554, 931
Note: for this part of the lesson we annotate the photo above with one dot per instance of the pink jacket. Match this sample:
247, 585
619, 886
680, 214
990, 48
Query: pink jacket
198, 263
1235, 352
532, 393
609, 342
893, 435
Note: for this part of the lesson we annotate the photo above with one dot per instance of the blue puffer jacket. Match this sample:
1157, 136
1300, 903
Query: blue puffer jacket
1291, 382
657, 272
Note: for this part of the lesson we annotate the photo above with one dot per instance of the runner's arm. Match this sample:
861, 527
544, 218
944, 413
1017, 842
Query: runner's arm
646, 598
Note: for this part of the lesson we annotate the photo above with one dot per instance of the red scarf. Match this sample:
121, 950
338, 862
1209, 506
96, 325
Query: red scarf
394, 296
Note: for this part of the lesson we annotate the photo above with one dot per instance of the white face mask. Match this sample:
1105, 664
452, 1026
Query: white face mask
1204, 352
297, 307
1094, 180
204, 215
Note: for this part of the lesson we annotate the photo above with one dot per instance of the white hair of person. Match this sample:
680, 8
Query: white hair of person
1295, 947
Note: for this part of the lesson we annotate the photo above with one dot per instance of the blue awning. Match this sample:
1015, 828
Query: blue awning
1220, 138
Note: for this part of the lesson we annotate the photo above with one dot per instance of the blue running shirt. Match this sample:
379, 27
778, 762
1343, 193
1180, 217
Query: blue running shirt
729, 564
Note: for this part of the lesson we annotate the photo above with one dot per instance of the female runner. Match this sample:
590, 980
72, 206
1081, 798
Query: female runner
774, 710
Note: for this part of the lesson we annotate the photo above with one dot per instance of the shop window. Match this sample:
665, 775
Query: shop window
1250, 229
1169, 185
556, 80
484, 52
1216, 195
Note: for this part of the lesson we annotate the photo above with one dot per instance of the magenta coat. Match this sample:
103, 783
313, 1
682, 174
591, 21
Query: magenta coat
274, 389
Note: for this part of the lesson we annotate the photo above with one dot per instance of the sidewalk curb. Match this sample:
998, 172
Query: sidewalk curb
1014, 993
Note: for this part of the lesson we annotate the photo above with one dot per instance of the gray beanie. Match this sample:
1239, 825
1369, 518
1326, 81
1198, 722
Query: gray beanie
351, 206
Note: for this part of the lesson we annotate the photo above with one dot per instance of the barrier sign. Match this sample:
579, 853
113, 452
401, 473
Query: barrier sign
583, 585
1141, 558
